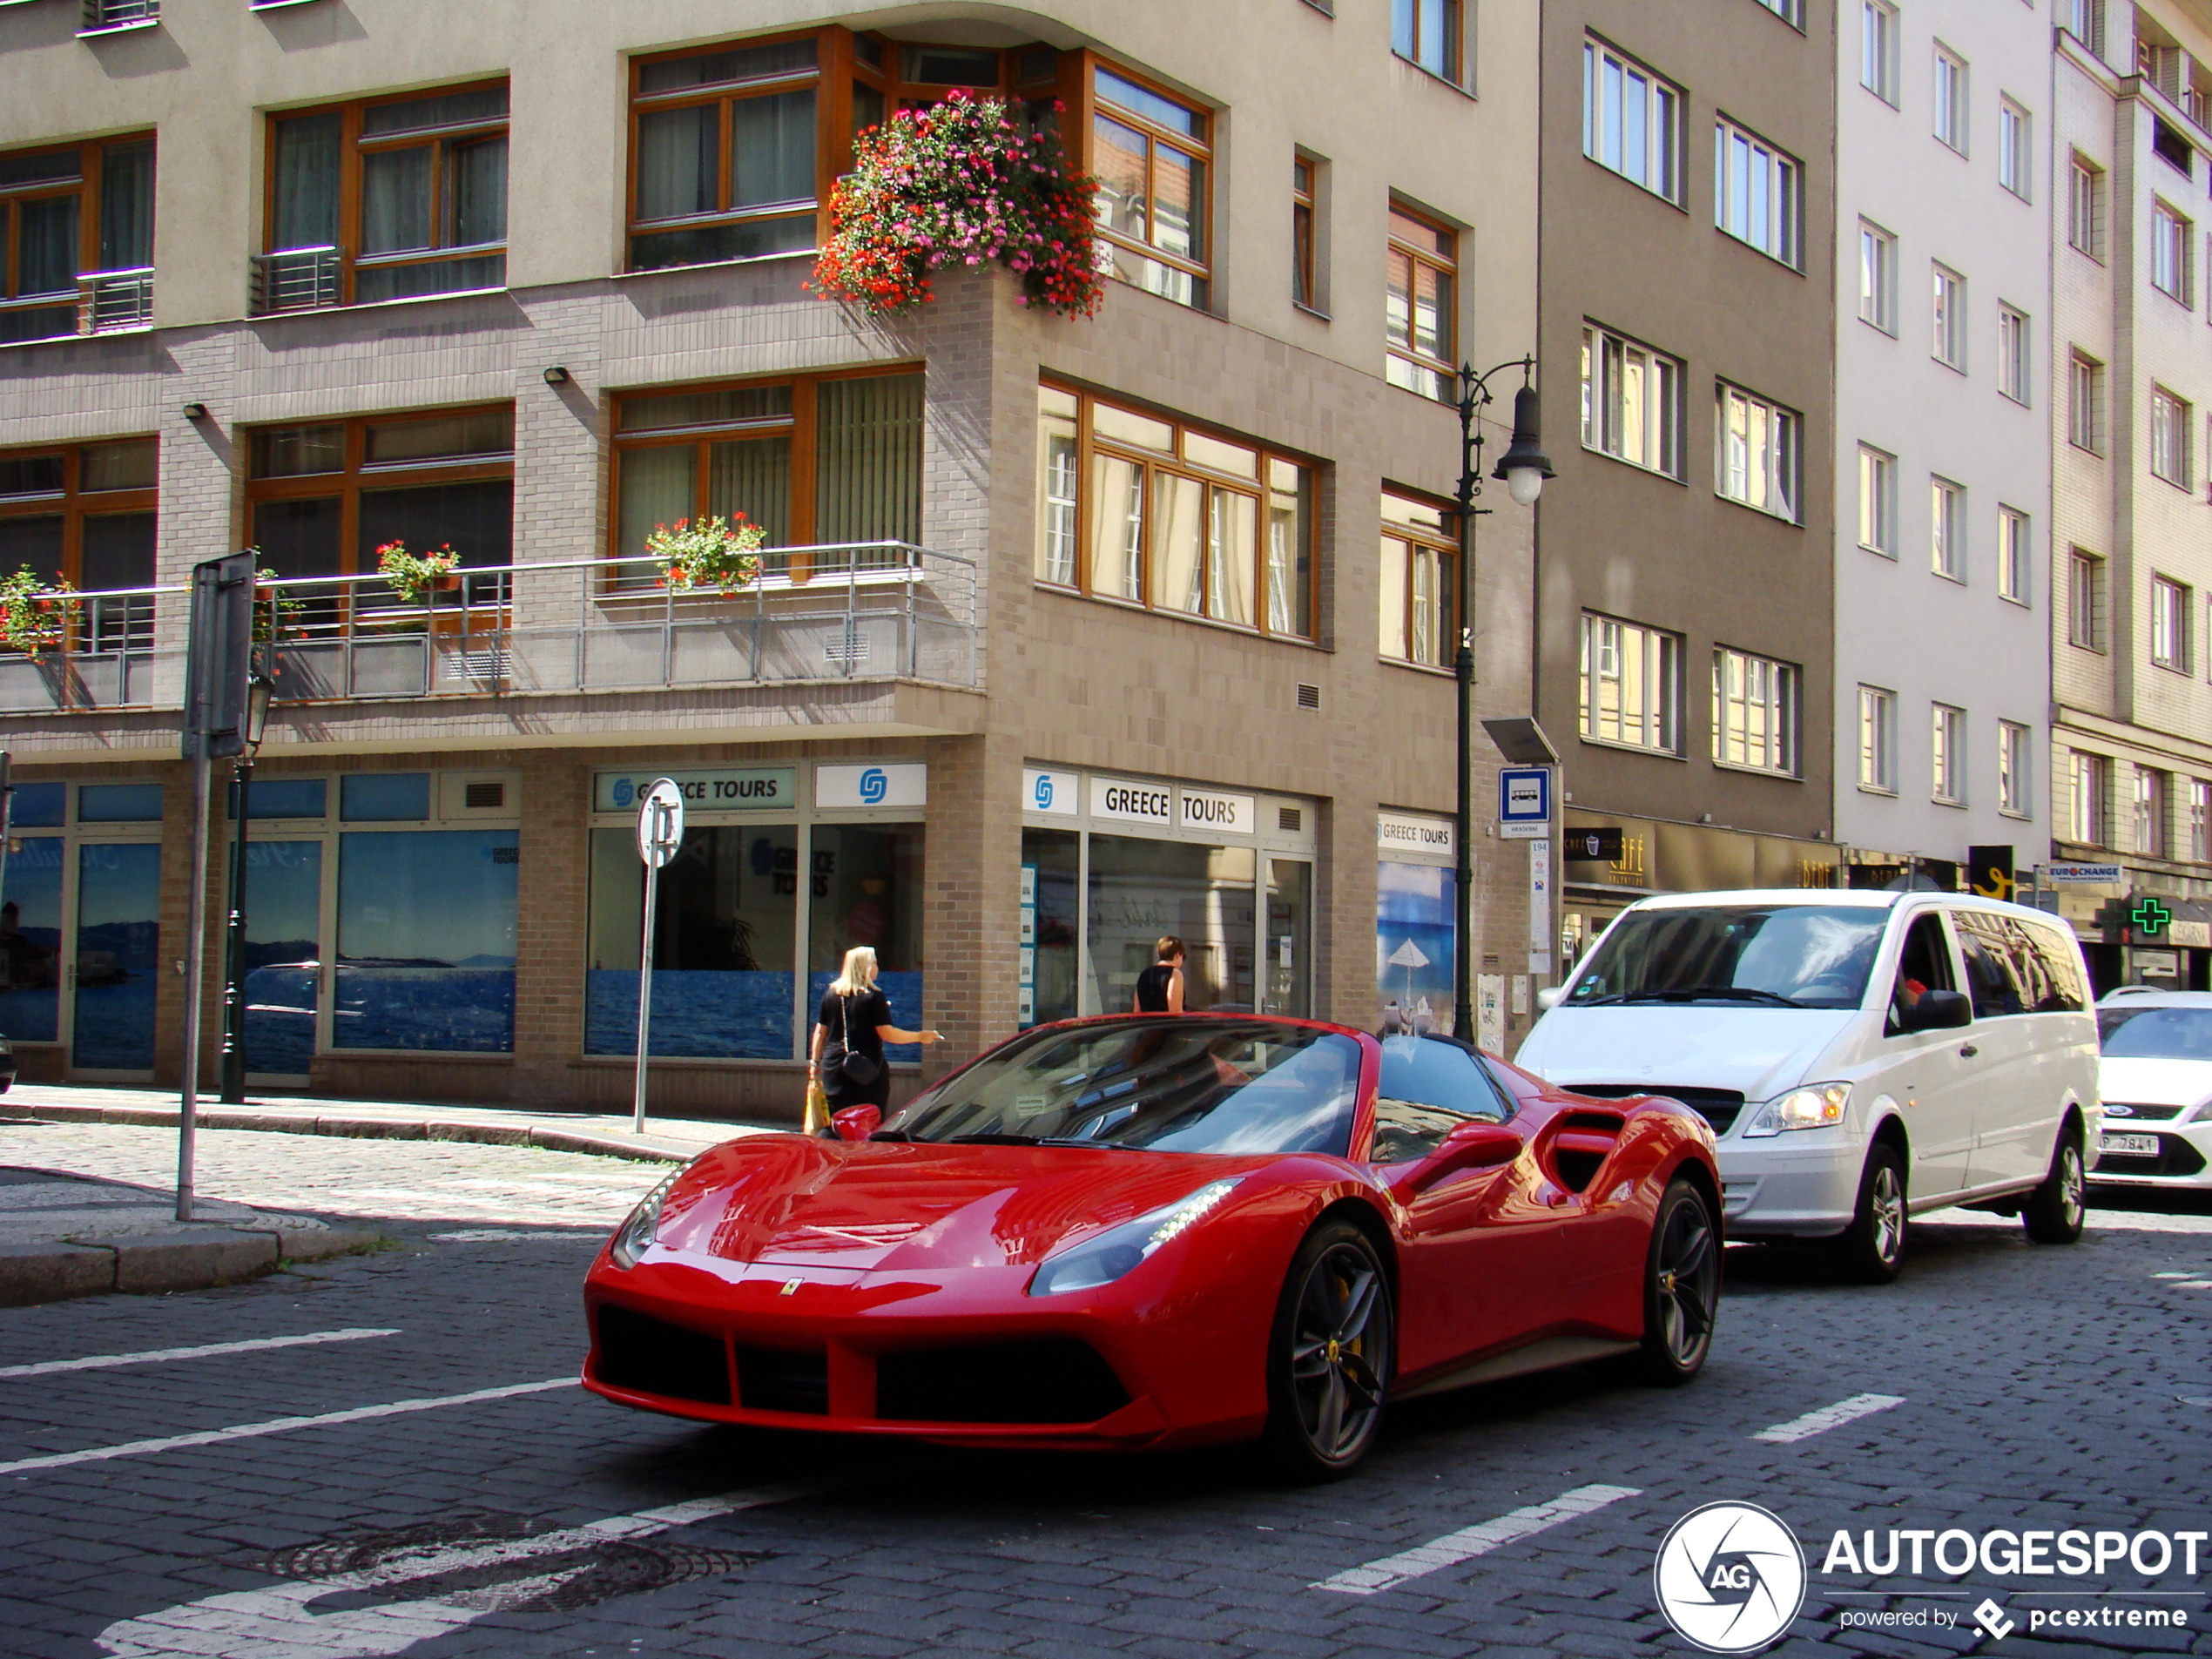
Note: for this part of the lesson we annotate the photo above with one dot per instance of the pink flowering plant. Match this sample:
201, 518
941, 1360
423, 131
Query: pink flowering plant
957, 184
709, 551
35, 614
414, 574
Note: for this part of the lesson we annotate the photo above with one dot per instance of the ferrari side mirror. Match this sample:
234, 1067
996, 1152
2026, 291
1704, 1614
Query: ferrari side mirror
856, 1122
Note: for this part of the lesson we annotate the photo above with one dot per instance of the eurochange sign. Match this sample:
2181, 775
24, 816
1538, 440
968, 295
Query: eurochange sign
734, 789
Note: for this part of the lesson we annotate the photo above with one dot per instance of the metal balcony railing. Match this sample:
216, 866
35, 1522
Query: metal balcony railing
107, 660
110, 300
101, 16
301, 278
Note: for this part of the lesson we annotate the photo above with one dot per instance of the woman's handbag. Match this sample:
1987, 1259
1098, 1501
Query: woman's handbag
854, 1070
818, 1119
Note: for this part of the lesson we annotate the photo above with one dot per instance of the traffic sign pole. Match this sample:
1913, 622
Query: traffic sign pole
660, 832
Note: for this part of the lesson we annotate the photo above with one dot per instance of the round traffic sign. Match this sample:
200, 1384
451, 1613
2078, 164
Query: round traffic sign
660, 823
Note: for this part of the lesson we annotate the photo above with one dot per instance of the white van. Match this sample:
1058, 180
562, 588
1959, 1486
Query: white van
1863, 1057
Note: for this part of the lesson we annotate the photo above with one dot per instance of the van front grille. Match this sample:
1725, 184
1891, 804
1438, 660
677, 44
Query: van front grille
1718, 1106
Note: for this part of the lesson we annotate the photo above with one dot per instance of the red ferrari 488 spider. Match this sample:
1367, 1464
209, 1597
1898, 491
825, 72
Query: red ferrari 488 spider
1150, 1231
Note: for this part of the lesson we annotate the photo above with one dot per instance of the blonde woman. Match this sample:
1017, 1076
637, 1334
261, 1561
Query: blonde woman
849, 1029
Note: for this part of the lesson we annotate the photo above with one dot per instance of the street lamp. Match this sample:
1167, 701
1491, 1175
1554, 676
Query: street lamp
257, 688
1523, 469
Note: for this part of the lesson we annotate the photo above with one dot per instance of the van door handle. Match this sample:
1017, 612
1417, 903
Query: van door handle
1968, 1052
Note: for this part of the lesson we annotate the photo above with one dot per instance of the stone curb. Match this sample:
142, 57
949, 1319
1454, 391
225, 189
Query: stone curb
190, 1259
376, 1129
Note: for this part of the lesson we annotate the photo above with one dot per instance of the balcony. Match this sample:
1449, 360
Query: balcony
103, 302
303, 279
111, 16
878, 611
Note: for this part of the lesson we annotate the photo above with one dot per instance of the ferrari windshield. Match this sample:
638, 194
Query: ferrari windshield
1760, 955
2155, 1033
1178, 1083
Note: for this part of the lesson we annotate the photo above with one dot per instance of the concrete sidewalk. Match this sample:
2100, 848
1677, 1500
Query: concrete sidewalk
667, 1140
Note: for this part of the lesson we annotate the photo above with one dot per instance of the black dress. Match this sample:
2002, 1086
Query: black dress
1152, 988
858, 1016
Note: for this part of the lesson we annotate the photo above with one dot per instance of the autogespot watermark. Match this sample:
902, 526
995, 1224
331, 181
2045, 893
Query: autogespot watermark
1731, 1578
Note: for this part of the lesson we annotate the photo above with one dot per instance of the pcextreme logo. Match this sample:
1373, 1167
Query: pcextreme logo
1730, 1577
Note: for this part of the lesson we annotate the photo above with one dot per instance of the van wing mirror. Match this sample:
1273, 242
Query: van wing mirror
1547, 999
1939, 1011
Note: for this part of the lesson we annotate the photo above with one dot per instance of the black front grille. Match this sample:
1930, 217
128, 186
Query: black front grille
2136, 1112
777, 1380
1716, 1106
2175, 1157
1054, 1380
652, 1357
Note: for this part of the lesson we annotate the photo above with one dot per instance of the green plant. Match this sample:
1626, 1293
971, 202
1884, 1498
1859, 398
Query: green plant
708, 552
412, 574
35, 614
275, 608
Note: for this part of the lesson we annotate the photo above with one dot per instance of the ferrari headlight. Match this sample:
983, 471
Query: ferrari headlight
635, 1236
1815, 1106
1103, 1257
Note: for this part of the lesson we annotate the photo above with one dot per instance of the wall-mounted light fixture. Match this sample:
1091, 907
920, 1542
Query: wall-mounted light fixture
195, 411
556, 375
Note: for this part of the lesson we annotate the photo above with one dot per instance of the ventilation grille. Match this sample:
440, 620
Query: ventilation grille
652, 1357
1716, 1106
1056, 1380
1309, 697
774, 1380
1289, 818
484, 796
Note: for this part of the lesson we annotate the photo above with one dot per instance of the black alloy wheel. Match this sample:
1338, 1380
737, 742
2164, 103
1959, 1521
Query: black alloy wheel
1330, 1356
1872, 1250
2054, 1211
1682, 1286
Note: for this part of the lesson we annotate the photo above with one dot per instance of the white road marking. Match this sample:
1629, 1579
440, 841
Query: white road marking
1470, 1541
1828, 1417
281, 1623
101, 1361
278, 1426
490, 1236
2173, 1276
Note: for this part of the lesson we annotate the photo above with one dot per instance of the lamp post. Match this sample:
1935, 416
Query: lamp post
1523, 469
233, 1065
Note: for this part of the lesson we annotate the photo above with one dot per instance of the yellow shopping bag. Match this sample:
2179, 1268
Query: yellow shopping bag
816, 1109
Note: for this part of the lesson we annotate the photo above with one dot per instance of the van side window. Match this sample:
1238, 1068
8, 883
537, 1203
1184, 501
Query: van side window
1923, 965
2052, 982
1429, 1087
1992, 948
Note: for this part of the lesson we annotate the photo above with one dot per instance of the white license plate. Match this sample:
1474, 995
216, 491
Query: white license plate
2144, 1146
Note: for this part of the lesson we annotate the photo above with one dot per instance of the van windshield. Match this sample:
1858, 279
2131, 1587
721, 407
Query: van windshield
1783, 956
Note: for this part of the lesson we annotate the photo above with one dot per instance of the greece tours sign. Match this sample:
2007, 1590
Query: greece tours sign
722, 789
1415, 832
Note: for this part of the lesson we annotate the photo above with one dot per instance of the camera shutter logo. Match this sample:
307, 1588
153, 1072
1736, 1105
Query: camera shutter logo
875, 785
625, 791
1044, 791
1730, 1577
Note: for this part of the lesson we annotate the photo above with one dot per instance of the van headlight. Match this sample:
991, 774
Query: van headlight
635, 1236
1103, 1257
1815, 1106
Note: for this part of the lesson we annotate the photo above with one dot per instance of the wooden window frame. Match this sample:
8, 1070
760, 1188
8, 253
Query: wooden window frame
1090, 444
86, 187
353, 145
1306, 292
1445, 544
1444, 370
73, 502
1082, 117
1457, 75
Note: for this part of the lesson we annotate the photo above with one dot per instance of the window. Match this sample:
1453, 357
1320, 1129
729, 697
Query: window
1306, 273
81, 513
2176, 151
2085, 426
1631, 121
2199, 821
1419, 587
1143, 508
1756, 193
1421, 305
1951, 98
2085, 20
1757, 452
2013, 554
2085, 208
386, 200
77, 239
1877, 501
446, 895
1948, 529
2084, 600
2170, 425
1878, 35
2169, 624
2015, 149
1631, 402
2169, 253
2014, 757
2089, 774
1877, 740
2152, 791
1755, 712
1427, 33
1791, 11
1150, 153
1631, 685
1876, 277
1950, 317
2014, 364
1949, 733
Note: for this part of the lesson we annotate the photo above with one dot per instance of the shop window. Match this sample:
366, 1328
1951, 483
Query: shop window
284, 905
287, 797
1148, 510
723, 939
865, 889
1286, 978
30, 930
1414, 927
81, 513
387, 199
1150, 155
1050, 922
1418, 612
426, 939
119, 955
384, 797
77, 239
38, 807
1203, 895
118, 803
826, 461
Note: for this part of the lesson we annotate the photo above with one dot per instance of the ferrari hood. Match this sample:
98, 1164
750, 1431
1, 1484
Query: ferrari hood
1760, 1051
790, 1201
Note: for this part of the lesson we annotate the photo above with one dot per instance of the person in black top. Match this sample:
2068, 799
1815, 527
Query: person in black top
1159, 987
855, 1018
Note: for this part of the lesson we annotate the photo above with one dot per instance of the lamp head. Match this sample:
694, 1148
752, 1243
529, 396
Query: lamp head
258, 689
1524, 467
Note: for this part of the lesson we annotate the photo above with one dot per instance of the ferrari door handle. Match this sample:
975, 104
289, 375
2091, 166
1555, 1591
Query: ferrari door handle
1968, 1052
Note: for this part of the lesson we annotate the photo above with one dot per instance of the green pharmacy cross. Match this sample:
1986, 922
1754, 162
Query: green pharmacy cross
2151, 917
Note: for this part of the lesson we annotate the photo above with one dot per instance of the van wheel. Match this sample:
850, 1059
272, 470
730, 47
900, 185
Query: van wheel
1872, 1250
2054, 1211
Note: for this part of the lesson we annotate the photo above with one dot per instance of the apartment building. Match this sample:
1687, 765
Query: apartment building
1070, 633
2131, 733
1941, 464
1685, 599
